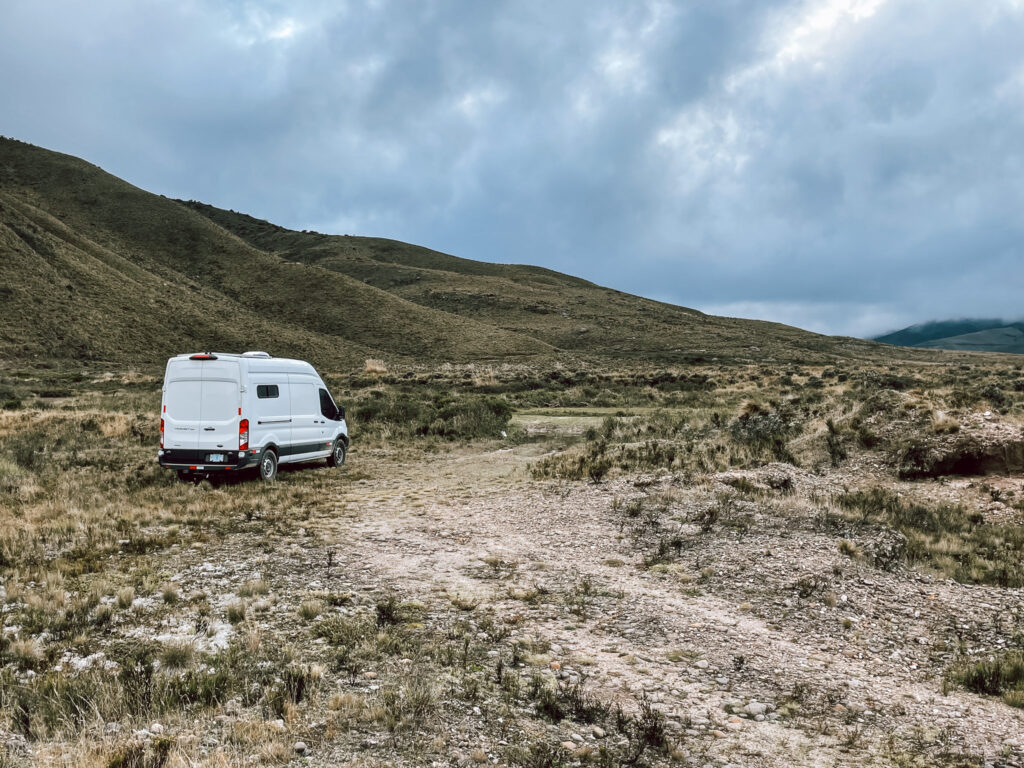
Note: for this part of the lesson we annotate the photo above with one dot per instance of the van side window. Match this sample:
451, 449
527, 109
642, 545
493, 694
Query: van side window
327, 407
263, 391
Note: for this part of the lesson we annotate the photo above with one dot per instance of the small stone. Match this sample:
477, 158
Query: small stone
702, 664
569, 746
156, 728
300, 747
599, 733
370, 675
577, 738
555, 665
755, 708
277, 726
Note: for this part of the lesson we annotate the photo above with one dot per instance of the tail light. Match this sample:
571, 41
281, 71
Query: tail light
161, 433
243, 435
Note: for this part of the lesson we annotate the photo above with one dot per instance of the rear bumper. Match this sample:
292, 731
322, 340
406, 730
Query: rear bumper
197, 461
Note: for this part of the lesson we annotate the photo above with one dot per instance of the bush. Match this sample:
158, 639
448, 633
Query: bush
764, 431
453, 418
1000, 676
945, 537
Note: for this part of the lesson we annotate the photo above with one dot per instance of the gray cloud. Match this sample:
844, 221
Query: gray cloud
844, 165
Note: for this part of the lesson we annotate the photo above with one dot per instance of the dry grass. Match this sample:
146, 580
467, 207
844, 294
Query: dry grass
375, 366
98, 553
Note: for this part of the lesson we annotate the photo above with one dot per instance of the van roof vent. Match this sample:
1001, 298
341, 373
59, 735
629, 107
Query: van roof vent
256, 354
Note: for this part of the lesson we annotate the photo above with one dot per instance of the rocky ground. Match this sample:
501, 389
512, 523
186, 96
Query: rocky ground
740, 610
761, 642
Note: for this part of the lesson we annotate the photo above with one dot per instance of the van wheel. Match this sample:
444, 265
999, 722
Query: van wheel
337, 457
268, 466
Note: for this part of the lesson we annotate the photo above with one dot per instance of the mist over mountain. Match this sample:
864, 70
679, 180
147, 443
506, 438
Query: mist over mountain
965, 334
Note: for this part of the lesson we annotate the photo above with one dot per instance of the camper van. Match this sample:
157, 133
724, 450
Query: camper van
227, 413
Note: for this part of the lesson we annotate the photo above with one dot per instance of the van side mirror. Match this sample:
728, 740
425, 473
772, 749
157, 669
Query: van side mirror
341, 412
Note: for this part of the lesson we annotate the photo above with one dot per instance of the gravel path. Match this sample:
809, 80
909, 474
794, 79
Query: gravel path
721, 641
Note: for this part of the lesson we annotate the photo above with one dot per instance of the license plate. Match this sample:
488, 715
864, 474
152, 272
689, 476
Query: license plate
214, 458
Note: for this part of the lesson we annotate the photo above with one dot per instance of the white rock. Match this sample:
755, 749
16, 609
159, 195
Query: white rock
755, 708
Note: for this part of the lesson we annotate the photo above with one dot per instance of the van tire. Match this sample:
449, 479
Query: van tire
337, 457
268, 466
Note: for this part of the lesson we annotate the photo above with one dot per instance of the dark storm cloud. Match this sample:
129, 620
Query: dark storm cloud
845, 165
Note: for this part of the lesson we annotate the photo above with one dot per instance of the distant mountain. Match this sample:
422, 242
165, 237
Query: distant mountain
968, 335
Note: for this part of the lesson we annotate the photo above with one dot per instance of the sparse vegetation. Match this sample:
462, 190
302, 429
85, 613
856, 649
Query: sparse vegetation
1001, 675
678, 484
945, 537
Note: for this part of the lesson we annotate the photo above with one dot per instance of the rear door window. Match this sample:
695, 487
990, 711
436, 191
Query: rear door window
220, 400
184, 399
267, 391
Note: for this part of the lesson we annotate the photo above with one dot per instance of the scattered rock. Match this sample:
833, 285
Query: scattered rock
755, 708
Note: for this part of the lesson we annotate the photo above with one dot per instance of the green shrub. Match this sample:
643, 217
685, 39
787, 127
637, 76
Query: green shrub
765, 431
450, 417
945, 537
1000, 676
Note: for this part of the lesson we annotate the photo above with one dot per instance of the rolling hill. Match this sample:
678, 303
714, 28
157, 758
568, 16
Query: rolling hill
968, 335
95, 268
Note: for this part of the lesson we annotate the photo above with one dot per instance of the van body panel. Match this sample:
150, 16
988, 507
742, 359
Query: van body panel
270, 423
307, 433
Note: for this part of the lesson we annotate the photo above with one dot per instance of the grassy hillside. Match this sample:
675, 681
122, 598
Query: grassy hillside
562, 311
96, 268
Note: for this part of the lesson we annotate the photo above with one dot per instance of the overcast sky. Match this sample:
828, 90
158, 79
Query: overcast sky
847, 166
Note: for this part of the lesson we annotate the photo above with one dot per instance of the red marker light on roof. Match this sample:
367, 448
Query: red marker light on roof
203, 356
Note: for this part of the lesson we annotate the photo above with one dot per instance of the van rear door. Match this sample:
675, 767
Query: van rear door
183, 394
201, 402
221, 401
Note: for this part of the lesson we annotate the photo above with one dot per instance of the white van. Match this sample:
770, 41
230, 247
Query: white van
223, 412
